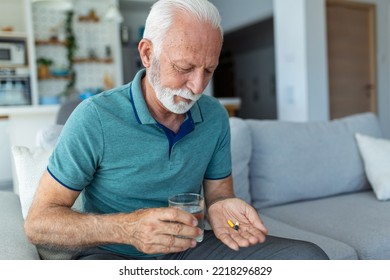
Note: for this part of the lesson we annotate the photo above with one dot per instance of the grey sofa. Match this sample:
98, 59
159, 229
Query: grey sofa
13, 241
307, 181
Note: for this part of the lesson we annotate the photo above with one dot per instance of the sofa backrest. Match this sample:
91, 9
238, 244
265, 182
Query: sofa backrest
292, 161
241, 145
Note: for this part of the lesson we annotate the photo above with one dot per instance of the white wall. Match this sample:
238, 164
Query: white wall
11, 15
317, 61
236, 14
301, 60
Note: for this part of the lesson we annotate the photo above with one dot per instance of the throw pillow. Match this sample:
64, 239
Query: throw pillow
376, 157
295, 161
29, 165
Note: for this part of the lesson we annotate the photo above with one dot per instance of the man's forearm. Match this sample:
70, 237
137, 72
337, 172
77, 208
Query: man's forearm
63, 227
217, 190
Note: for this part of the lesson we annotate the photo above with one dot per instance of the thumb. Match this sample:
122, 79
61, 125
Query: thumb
256, 221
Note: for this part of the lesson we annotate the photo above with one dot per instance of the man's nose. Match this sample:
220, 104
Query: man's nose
197, 82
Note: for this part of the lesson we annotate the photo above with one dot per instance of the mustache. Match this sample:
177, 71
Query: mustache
185, 93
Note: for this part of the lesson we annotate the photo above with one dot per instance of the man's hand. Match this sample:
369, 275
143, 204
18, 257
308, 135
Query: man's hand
251, 229
156, 230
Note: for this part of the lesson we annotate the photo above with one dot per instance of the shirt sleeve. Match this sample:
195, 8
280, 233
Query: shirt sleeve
79, 149
220, 165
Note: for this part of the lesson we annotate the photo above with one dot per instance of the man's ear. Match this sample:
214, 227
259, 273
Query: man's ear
145, 48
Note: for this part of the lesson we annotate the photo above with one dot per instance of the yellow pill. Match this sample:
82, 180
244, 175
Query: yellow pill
230, 223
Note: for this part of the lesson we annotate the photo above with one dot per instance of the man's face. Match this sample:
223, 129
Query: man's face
167, 95
188, 59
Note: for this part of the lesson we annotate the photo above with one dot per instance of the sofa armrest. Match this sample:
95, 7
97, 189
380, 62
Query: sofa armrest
13, 241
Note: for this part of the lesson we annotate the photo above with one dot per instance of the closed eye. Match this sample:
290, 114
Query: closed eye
182, 69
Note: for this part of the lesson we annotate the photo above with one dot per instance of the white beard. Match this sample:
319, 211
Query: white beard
167, 95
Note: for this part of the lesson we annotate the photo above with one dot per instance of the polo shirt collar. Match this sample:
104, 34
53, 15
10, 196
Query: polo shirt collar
141, 109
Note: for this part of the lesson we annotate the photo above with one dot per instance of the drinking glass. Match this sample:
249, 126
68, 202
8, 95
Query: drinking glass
192, 203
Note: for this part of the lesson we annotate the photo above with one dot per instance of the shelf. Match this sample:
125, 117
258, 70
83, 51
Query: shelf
51, 77
89, 18
50, 43
13, 35
92, 60
20, 70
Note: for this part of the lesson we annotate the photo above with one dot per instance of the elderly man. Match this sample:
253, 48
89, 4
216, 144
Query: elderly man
127, 150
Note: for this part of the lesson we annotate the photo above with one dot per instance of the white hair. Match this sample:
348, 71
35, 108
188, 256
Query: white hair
162, 14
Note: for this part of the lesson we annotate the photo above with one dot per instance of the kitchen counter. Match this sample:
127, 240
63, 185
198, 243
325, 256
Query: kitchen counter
8, 111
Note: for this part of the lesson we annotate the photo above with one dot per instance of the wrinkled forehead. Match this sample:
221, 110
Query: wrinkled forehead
191, 33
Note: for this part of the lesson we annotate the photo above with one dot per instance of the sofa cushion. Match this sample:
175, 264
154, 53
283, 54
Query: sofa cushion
241, 146
335, 249
298, 161
376, 156
29, 165
13, 242
356, 219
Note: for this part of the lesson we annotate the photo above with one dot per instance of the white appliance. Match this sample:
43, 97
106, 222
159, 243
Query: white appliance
15, 86
12, 53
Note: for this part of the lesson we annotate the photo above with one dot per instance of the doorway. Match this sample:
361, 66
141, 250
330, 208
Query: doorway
351, 58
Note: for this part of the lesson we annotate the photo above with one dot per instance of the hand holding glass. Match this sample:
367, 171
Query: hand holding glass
192, 203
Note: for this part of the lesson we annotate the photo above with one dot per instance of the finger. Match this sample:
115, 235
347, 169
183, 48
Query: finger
167, 244
239, 238
176, 215
228, 241
253, 235
258, 234
176, 243
179, 229
257, 222
261, 227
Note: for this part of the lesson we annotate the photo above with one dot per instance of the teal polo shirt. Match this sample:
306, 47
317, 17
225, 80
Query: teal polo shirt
113, 150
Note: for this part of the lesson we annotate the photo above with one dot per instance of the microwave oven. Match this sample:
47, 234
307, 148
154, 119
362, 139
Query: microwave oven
12, 53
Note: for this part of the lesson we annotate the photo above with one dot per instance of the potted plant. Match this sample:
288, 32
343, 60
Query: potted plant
43, 67
71, 46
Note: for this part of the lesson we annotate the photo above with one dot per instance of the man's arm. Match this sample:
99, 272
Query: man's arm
216, 190
51, 221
